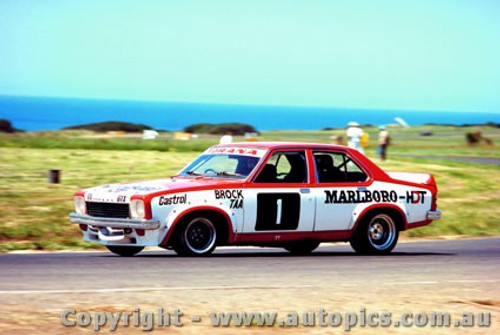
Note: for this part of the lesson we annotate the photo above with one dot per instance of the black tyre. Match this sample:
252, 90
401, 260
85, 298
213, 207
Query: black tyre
375, 235
124, 251
301, 247
197, 238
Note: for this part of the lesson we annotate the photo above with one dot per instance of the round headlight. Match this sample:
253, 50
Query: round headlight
137, 209
80, 206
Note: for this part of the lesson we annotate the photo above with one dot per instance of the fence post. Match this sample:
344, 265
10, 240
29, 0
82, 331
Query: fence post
53, 176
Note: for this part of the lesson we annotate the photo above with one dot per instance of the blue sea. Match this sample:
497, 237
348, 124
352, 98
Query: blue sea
36, 113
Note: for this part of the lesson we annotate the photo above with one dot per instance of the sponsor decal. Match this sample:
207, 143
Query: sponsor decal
228, 194
173, 200
236, 204
234, 196
121, 198
414, 197
125, 188
356, 197
237, 151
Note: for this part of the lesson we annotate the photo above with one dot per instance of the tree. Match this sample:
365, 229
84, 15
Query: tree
6, 126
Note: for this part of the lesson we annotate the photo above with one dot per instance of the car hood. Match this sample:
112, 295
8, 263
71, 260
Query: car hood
120, 193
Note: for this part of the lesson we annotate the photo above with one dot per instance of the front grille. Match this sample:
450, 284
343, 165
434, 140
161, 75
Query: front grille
107, 210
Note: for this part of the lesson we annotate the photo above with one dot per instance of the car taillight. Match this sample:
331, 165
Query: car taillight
434, 190
434, 205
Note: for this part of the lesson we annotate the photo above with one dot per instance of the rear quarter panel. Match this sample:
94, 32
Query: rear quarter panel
414, 202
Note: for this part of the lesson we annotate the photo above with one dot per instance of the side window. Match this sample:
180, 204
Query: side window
284, 167
334, 167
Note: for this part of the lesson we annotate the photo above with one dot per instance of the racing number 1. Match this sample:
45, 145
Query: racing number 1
278, 211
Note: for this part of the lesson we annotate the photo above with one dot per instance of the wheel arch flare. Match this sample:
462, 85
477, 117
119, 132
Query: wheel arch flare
397, 210
178, 214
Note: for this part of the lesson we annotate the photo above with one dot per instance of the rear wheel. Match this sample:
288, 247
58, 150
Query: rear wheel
197, 238
376, 235
301, 247
124, 251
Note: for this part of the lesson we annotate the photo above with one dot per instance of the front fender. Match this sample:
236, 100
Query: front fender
178, 213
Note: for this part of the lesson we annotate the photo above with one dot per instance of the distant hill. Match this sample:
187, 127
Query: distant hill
112, 126
486, 124
6, 127
221, 128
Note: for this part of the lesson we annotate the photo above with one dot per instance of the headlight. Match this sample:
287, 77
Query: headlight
80, 206
137, 209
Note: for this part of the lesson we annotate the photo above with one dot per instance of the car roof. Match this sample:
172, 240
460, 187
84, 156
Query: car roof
282, 145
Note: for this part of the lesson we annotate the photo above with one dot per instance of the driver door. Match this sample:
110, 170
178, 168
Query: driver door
279, 199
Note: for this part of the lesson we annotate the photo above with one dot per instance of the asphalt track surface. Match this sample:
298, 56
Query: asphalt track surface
469, 262
451, 276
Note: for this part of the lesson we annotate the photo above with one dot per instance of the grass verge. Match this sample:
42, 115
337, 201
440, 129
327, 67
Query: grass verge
34, 214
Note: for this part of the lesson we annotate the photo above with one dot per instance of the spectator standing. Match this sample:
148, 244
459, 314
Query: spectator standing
383, 142
354, 134
226, 139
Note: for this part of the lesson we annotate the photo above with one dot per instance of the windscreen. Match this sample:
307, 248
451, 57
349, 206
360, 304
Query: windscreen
221, 166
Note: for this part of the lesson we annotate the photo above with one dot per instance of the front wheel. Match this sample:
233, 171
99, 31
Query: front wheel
197, 238
124, 251
376, 235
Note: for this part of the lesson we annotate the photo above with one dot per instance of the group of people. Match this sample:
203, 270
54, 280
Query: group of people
358, 139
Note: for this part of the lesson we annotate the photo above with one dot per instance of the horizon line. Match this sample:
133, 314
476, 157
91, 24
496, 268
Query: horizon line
244, 104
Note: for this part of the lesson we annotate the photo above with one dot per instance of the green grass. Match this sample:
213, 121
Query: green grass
90, 141
446, 140
34, 214
469, 196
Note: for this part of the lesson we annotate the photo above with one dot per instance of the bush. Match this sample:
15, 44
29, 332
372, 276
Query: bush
6, 127
112, 126
221, 129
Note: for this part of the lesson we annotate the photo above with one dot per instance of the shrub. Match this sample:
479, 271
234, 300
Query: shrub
220, 129
6, 126
112, 126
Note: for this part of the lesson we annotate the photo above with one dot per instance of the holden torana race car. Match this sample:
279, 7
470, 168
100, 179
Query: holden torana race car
289, 195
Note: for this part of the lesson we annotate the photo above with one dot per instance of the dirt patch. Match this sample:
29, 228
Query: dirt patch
40, 313
482, 303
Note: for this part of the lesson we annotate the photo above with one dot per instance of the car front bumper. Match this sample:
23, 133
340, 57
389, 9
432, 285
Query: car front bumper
434, 215
114, 222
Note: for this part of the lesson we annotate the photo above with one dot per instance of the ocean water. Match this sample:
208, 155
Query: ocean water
36, 113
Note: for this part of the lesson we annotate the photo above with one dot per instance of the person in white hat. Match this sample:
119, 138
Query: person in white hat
354, 133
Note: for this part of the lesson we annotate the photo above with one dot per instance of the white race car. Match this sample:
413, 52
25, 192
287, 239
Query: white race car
290, 195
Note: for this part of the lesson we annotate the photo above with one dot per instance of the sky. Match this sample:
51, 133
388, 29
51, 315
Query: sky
386, 54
